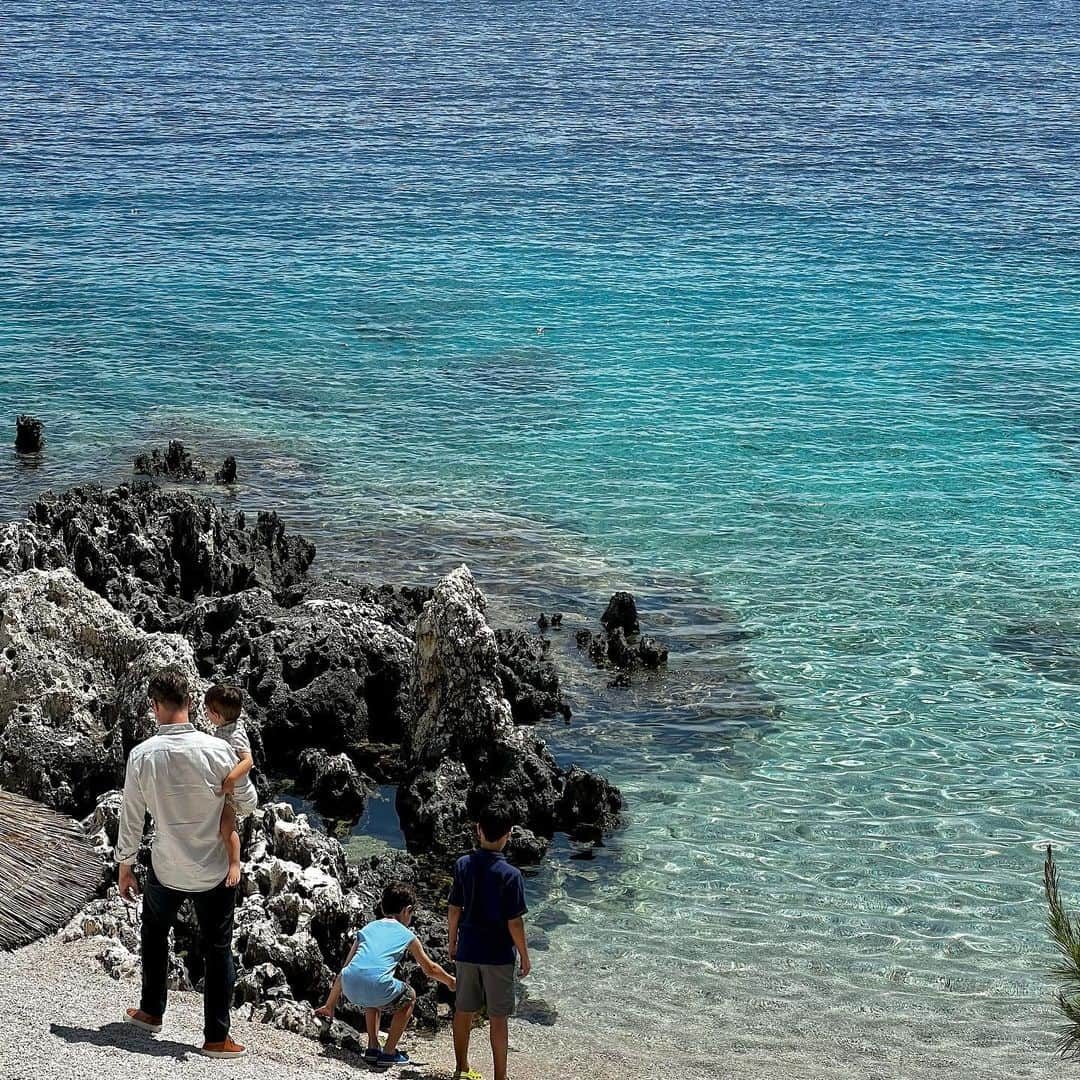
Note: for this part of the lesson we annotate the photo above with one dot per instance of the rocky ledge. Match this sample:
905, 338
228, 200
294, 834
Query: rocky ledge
347, 686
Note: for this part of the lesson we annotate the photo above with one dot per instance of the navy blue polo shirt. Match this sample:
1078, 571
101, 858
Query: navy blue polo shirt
490, 893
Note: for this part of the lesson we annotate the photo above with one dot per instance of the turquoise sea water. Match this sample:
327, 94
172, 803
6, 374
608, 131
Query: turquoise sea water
809, 279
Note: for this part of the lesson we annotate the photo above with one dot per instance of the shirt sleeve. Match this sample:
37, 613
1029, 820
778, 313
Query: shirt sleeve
457, 893
514, 905
132, 816
239, 740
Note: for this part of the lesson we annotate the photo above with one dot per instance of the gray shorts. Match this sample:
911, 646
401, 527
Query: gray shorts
485, 984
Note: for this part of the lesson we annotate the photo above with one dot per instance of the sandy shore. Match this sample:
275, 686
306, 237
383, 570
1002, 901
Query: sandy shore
73, 1031
60, 1016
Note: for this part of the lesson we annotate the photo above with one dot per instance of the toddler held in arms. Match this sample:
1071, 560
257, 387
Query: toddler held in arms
224, 705
368, 978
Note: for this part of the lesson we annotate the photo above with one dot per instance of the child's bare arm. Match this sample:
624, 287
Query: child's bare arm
453, 915
429, 967
237, 773
517, 933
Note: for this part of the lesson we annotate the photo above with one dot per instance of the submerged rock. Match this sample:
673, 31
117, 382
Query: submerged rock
29, 435
73, 677
175, 464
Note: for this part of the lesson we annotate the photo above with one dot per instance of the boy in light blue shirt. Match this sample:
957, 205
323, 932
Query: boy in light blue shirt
368, 978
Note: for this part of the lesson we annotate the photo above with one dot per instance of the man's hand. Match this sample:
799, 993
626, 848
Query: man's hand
526, 966
232, 878
126, 883
452, 950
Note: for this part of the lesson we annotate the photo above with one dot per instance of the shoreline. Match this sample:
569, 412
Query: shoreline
76, 1034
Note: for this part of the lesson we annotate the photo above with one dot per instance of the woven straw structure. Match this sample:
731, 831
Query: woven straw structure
48, 870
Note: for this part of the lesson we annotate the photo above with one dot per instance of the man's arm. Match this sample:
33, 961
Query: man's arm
132, 820
453, 918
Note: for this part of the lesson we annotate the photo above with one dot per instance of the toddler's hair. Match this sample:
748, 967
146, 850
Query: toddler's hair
226, 701
396, 897
169, 686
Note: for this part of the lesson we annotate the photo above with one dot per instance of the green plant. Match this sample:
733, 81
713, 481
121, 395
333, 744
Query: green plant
1065, 932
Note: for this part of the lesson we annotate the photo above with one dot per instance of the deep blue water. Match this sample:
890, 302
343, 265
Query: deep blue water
809, 286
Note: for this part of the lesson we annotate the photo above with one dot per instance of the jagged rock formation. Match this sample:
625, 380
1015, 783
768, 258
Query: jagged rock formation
29, 435
300, 906
528, 678
333, 783
622, 645
324, 673
175, 464
151, 553
346, 685
461, 745
73, 675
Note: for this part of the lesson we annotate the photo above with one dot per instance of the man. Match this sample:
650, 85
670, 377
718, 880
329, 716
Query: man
177, 776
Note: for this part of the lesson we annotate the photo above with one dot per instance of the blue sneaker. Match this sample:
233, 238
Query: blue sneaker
398, 1057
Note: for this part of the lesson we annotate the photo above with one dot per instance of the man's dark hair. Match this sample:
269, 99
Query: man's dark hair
396, 897
169, 686
226, 701
495, 821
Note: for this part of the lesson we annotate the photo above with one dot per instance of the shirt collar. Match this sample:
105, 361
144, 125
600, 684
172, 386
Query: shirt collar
174, 729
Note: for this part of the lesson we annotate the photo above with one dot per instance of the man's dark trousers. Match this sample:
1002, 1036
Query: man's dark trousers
214, 911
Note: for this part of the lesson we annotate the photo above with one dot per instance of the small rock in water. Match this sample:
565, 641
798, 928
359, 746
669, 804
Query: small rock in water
29, 435
556, 620
175, 464
651, 653
543, 622
621, 612
227, 473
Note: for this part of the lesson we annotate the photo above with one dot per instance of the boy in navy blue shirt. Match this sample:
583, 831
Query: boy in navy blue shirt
486, 905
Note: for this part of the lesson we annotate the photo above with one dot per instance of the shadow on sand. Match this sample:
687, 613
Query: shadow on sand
124, 1037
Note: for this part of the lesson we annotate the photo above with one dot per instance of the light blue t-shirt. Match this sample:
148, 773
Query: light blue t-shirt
369, 980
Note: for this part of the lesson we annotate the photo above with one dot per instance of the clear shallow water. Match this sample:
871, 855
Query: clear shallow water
811, 296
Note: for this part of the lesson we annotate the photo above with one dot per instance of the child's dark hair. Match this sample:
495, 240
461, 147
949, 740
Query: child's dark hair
226, 701
169, 686
495, 821
396, 897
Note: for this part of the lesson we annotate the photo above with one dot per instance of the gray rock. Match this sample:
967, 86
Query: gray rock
333, 784
73, 677
461, 746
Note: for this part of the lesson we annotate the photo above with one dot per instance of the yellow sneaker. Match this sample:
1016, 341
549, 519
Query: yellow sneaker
471, 1074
